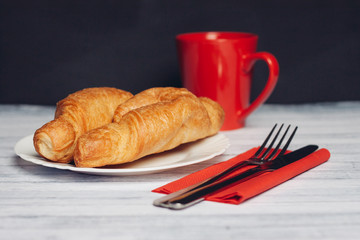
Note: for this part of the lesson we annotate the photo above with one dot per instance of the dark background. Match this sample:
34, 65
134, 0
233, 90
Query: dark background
52, 48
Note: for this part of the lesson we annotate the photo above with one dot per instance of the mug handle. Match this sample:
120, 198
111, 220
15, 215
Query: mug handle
249, 61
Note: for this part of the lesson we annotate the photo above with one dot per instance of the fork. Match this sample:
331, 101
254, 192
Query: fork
261, 156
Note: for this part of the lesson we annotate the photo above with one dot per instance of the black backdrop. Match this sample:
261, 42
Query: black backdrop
52, 48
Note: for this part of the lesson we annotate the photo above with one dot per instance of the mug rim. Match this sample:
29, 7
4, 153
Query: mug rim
215, 36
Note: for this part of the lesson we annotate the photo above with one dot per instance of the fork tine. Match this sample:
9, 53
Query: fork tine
273, 153
265, 142
288, 142
268, 149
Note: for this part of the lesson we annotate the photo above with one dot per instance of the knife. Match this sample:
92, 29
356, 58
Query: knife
189, 198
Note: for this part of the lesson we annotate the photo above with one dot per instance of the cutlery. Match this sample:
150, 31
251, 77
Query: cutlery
197, 195
261, 156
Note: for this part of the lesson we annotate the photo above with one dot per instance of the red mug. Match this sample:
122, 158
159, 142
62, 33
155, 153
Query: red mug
219, 65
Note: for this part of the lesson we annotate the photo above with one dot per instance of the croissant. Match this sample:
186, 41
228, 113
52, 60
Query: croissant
153, 121
76, 114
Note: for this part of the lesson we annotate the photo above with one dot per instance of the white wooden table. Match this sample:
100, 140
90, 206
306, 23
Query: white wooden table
44, 203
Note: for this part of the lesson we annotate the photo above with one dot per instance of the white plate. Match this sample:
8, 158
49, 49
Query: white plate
183, 155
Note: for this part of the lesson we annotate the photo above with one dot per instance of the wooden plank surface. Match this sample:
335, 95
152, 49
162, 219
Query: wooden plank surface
44, 203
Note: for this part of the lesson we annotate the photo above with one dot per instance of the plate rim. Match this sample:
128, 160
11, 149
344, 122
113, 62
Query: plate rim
120, 171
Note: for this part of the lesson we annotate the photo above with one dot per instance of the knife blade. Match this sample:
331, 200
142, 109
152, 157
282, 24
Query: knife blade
197, 195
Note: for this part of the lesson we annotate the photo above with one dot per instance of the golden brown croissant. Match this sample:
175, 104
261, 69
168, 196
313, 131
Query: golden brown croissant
152, 121
76, 114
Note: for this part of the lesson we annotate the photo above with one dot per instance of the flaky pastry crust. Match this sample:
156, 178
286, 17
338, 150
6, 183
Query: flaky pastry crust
153, 121
76, 114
